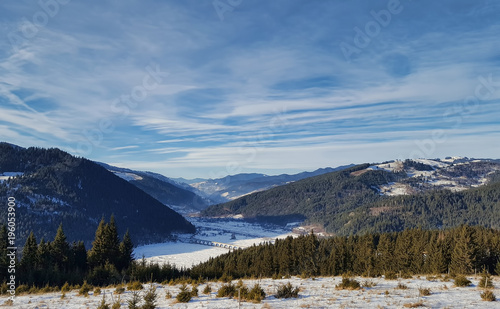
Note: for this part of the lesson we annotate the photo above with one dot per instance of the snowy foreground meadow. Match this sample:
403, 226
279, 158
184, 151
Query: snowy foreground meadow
314, 293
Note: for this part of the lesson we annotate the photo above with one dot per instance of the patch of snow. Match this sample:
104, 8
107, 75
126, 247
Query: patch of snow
6, 175
127, 176
185, 254
433, 163
394, 189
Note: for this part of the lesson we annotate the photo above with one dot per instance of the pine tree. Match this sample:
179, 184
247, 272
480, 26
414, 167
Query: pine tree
60, 250
105, 247
44, 255
462, 257
97, 255
29, 260
385, 254
113, 242
126, 252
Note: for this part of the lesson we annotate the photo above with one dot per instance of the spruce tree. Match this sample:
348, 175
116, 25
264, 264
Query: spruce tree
126, 252
44, 255
97, 255
112, 241
60, 250
462, 257
385, 254
29, 260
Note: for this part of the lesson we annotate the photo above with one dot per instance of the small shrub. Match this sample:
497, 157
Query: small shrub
63, 295
133, 303
119, 290
34, 289
97, 291
85, 289
22, 288
424, 291
414, 305
168, 295
486, 281
117, 304
150, 298
103, 304
488, 296
256, 294
369, 284
390, 275
462, 281
185, 294
348, 284
194, 291
3, 288
207, 289
287, 291
226, 290
65, 287
401, 286
134, 286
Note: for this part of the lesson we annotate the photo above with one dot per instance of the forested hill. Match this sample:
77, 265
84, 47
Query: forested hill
353, 200
51, 186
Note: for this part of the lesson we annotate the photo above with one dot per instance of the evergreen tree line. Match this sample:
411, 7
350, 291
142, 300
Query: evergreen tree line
462, 250
55, 262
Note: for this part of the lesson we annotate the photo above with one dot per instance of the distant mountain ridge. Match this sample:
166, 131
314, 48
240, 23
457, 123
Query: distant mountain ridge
383, 197
52, 187
234, 186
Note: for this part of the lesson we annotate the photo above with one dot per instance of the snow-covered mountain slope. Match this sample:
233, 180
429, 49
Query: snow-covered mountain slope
452, 173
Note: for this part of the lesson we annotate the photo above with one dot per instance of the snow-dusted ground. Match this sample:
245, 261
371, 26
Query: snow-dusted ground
314, 293
186, 254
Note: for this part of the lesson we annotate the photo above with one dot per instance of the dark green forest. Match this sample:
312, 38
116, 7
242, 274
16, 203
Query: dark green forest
59, 188
462, 250
348, 202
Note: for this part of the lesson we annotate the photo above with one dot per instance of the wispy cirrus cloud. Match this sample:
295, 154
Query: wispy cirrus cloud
268, 88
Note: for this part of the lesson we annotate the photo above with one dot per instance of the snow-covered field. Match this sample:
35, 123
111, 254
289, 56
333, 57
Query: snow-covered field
314, 293
228, 231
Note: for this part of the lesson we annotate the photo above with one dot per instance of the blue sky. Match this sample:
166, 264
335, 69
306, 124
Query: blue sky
199, 88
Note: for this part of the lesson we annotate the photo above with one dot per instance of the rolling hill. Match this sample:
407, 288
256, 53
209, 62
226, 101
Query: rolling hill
52, 187
383, 197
